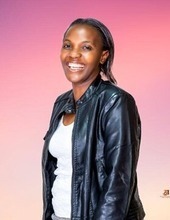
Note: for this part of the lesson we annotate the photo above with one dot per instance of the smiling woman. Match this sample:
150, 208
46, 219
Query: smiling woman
91, 148
81, 56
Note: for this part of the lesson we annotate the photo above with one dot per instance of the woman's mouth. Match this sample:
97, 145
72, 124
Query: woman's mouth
74, 67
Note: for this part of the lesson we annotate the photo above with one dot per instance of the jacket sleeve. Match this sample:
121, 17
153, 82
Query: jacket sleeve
121, 135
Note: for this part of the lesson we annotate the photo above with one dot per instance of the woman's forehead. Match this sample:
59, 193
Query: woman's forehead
82, 30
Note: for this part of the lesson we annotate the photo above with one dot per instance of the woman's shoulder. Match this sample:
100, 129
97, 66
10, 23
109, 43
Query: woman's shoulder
64, 96
113, 90
111, 94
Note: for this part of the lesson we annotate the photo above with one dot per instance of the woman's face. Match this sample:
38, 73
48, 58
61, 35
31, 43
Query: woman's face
82, 54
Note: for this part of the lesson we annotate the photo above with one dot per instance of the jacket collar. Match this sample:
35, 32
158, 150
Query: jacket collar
71, 105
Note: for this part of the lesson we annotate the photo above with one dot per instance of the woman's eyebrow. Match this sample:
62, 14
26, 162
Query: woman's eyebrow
85, 41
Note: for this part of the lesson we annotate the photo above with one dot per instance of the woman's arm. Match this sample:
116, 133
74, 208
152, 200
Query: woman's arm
121, 142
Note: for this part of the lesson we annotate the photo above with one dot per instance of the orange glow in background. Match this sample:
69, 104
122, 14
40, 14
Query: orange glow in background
31, 77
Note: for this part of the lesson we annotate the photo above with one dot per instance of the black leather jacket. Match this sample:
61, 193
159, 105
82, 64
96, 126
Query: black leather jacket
105, 149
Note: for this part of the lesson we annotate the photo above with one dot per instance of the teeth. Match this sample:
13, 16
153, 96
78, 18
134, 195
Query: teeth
75, 66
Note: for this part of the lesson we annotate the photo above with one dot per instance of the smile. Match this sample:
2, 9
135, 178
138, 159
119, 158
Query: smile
75, 66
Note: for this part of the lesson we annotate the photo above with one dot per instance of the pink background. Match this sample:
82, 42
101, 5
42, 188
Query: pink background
31, 77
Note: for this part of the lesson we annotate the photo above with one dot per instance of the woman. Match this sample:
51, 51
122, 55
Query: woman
92, 145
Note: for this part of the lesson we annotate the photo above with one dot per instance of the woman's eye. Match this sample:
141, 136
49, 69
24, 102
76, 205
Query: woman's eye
87, 47
67, 46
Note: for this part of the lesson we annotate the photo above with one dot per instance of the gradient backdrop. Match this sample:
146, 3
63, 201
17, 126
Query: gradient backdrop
31, 78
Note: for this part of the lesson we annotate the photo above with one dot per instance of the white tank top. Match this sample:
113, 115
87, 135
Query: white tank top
60, 147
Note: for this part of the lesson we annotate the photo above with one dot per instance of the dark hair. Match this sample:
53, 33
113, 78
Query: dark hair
107, 40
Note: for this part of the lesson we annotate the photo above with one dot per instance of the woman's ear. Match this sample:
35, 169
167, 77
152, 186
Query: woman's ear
104, 56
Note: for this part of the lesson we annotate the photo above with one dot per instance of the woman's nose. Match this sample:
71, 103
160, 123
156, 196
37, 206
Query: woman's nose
75, 53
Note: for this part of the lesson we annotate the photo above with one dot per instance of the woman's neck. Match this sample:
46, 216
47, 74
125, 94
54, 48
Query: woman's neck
79, 91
